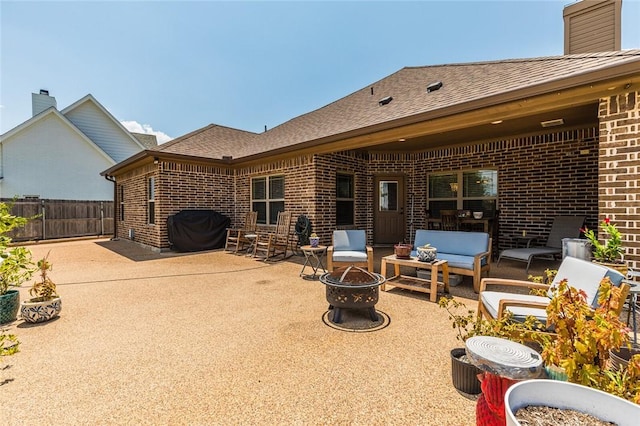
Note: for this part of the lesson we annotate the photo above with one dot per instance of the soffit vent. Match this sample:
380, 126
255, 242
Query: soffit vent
552, 123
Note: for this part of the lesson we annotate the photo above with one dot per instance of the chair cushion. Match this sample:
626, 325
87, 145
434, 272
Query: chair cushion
349, 256
353, 240
453, 242
457, 261
582, 275
491, 301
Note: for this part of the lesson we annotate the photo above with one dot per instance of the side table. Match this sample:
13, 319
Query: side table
503, 362
313, 258
252, 246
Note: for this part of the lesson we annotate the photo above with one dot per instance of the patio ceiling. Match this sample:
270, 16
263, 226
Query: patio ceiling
583, 115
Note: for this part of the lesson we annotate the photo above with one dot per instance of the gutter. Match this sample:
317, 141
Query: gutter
115, 206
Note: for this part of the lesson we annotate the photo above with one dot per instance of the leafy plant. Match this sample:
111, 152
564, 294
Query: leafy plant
8, 343
584, 336
15, 263
612, 250
45, 289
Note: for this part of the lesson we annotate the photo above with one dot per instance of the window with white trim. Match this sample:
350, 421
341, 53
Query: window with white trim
474, 190
121, 200
151, 201
267, 198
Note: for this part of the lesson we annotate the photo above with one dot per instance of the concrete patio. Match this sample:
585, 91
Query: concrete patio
215, 338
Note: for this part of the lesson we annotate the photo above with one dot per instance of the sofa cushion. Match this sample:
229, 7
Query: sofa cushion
349, 256
353, 240
453, 242
491, 301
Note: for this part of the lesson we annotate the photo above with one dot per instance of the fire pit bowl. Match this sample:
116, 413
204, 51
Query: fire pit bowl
352, 287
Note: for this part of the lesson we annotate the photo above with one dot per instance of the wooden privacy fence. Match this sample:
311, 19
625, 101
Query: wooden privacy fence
53, 219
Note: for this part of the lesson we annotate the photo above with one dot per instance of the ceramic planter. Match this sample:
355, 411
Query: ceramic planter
9, 305
464, 375
40, 311
314, 241
426, 254
556, 394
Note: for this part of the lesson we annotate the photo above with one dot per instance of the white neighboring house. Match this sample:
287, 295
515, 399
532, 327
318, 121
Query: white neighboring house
60, 154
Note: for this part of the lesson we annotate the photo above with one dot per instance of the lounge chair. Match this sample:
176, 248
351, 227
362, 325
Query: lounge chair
579, 273
563, 227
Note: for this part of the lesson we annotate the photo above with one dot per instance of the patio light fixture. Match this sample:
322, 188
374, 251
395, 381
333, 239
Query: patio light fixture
552, 123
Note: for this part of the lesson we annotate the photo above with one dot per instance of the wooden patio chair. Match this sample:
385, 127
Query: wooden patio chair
579, 273
449, 220
236, 238
275, 243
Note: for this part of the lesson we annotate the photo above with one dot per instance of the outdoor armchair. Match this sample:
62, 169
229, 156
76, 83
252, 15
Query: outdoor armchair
349, 247
562, 227
579, 273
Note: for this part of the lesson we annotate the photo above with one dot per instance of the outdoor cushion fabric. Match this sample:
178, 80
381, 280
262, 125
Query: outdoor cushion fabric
350, 240
349, 256
453, 242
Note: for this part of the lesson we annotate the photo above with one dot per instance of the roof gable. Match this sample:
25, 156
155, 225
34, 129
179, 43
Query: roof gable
101, 127
52, 112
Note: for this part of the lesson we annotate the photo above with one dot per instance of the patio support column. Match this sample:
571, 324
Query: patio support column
619, 169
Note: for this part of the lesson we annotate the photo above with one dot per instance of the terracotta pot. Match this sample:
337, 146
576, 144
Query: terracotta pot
402, 251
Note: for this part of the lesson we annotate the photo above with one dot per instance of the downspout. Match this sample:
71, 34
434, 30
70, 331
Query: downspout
115, 204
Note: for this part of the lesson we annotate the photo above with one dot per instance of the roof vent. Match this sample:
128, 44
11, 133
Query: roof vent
434, 86
385, 101
227, 157
44, 92
552, 123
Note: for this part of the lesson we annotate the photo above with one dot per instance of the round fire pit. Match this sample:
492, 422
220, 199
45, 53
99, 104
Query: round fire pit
352, 287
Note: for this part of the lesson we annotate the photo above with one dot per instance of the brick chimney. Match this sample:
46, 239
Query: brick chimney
41, 101
592, 26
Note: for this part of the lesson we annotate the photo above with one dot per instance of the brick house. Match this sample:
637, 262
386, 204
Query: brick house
528, 138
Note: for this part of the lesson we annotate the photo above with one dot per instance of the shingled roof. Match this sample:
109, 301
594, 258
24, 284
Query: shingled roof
461, 84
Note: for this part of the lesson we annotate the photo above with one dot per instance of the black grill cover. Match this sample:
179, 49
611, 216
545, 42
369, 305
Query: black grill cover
196, 230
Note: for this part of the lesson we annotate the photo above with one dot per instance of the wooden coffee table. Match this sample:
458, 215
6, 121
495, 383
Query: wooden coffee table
414, 283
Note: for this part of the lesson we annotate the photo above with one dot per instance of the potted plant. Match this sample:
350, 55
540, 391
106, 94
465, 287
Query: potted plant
583, 336
45, 303
314, 240
553, 400
610, 253
426, 253
402, 250
15, 265
467, 323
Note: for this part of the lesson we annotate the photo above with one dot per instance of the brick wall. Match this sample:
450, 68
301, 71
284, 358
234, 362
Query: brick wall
539, 177
619, 169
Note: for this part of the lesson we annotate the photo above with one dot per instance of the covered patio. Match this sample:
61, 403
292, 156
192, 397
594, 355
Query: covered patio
215, 338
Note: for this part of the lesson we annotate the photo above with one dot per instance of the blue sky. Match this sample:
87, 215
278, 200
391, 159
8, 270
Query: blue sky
176, 66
